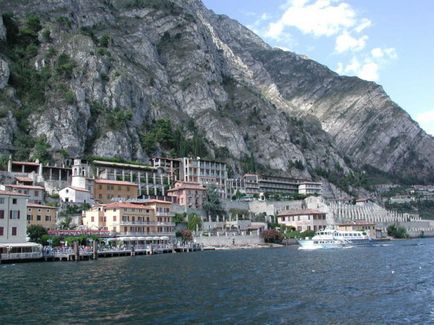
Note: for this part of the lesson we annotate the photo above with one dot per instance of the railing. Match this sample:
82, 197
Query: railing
20, 256
146, 223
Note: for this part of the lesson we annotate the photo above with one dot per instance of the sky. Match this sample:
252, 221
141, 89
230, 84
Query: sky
390, 42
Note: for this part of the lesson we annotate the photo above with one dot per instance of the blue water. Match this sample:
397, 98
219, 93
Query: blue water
392, 284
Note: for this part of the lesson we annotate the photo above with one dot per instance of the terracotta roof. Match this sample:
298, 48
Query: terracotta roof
34, 205
77, 189
123, 205
26, 186
23, 179
11, 193
109, 181
155, 201
187, 185
299, 212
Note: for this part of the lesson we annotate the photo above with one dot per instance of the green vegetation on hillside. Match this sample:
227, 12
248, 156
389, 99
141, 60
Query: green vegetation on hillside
161, 134
425, 208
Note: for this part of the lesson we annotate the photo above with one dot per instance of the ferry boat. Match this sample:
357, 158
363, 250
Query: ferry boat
332, 238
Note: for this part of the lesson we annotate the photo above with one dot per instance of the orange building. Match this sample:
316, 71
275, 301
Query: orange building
188, 194
43, 215
105, 190
151, 217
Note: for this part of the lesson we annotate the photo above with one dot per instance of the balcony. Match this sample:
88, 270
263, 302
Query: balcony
146, 223
145, 234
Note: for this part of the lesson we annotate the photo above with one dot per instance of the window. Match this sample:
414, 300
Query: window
14, 231
114, 218
38, 218
14, 214
36, 193
92, 219
1, 231
2, 200
47, 218
100, 186
14, 201
2, 214
29, 217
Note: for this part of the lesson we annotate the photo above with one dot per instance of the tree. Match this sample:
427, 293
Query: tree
212, 204
272, 236
185, 235
66, 223
194, 222
36, 232
397, 231
179, 218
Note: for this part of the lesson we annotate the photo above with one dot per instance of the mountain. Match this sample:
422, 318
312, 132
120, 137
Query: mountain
135, 78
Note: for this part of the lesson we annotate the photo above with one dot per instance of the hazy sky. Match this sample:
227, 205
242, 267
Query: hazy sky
390, 42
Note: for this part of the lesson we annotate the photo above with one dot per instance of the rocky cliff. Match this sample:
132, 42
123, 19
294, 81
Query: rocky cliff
84, 77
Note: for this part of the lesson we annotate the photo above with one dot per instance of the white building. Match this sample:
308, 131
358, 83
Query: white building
35, 193
205, 172
80, 190
310, 188
75, 195
13, 221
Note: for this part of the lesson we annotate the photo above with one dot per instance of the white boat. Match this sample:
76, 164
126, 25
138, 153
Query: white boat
332, 238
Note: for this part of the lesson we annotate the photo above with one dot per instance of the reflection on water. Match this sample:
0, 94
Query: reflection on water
392, 284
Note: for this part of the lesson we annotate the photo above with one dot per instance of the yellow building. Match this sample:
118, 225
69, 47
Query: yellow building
359, 225
104, 190
302, 220
152, 217
43, 215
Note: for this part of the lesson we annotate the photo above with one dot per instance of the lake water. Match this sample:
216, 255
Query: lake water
392, 284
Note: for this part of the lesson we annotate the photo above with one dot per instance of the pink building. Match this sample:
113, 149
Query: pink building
35, 193
188, 194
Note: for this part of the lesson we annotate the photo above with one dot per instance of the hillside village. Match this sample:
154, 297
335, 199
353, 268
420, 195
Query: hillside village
163, 200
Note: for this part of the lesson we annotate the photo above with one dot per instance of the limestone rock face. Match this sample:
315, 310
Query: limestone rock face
2, 30
4, 73
136, 62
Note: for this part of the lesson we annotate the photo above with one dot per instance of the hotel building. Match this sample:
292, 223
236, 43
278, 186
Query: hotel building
105, 190
204, 172
302, 220
152, 217
13, 226
188, 194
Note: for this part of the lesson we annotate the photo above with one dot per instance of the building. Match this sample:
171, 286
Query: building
309, 188
170, 166
35, 194
53, 176
105, 190
43, 215
13, 226
359, 225
188, 194
152, 217
205, 172
303, 220
255, 184
75, 195
150, 180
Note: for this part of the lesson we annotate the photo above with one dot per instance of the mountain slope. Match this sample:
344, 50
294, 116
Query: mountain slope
105, 71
